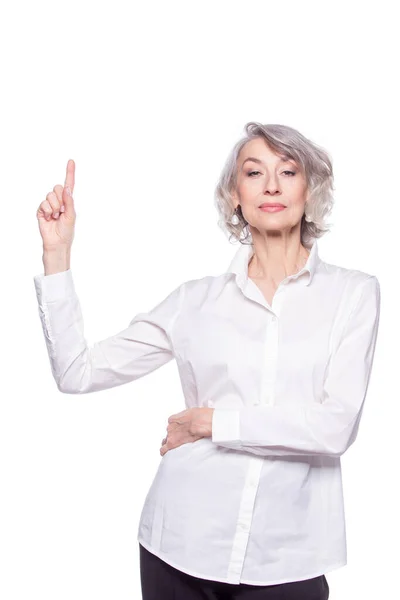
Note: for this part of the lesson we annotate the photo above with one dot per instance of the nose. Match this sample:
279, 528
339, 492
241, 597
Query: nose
271, 187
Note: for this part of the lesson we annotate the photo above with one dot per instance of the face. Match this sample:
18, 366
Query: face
269, 179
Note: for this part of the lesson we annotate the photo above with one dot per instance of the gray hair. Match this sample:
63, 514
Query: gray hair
311, 158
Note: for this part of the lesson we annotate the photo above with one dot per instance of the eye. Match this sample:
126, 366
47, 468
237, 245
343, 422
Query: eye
251, 173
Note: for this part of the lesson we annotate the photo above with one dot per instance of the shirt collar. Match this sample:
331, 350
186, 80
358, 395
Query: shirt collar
239, 263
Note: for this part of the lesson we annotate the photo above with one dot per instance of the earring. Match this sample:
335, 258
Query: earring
306, 216
234, 218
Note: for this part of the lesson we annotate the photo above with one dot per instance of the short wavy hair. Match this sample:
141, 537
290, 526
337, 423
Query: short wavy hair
312, 159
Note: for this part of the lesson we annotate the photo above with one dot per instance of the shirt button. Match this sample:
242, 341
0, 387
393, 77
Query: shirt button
273, 319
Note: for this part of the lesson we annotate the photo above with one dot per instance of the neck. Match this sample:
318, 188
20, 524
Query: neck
275, 258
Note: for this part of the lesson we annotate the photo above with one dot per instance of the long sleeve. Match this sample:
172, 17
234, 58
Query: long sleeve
144, 346
311, 427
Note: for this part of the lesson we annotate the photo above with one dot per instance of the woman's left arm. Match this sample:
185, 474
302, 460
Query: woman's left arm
314, 428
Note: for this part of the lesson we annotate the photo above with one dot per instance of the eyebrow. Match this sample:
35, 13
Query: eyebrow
257, 160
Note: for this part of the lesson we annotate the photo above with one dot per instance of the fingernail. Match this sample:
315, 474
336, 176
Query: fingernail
56, 215
62, 208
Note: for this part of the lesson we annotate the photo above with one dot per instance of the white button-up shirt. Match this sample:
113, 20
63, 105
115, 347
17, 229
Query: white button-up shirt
260, 502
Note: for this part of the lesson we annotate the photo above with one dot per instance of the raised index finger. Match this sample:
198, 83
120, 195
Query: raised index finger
70, 175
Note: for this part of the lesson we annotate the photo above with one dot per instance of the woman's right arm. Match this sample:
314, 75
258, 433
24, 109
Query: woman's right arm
142, 347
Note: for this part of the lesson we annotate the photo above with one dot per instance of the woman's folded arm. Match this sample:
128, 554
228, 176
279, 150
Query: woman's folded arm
306, 426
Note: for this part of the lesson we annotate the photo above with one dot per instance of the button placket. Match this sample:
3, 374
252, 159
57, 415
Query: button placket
271, 351
245, 518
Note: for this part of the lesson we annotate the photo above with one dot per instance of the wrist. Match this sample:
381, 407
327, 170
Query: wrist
56, 259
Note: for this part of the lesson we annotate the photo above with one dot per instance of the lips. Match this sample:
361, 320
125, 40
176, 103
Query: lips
277, 204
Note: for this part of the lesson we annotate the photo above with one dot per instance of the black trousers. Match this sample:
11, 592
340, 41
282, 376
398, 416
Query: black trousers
160, 581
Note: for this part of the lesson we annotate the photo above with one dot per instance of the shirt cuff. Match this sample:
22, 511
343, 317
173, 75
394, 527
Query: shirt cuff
225, 425
55, 286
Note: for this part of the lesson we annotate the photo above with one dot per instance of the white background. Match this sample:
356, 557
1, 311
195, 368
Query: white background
148, 98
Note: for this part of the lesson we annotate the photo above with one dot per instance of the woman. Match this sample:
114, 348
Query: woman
274, 357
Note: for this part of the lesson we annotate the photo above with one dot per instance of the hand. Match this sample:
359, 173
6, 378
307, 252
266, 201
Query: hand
56, 214
187, 426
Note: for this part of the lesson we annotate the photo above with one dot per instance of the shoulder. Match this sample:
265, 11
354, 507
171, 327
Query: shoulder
344, 279
198, 288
